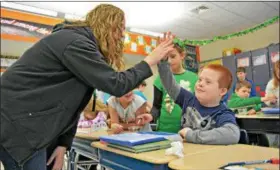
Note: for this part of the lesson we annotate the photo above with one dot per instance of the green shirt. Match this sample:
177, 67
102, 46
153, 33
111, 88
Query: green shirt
237, 102
170, 113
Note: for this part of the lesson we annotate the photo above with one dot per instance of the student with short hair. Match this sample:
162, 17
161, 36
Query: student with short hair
241, 76
241, 98
166, 113
205, 119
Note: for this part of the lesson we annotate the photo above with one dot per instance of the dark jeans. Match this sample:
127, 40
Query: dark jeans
36, 162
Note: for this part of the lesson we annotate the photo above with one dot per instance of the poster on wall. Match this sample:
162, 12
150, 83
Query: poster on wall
23, 28
274, 56
259, 60
243, 62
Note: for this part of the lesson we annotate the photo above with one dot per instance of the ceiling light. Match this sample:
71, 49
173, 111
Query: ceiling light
146, 32
28, 8
200, 9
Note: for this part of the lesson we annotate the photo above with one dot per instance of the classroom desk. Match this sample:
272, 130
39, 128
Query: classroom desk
85, 133
82, 146
220, 156
259, 123
122, 160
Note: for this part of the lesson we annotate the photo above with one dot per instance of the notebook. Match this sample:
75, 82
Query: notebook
270, 110
137, 138
144, 147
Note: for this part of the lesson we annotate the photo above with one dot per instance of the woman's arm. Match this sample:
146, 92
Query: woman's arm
83, 58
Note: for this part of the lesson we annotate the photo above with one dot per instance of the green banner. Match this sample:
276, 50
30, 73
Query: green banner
182, 43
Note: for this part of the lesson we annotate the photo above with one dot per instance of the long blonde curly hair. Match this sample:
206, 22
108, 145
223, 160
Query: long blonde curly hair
106, 21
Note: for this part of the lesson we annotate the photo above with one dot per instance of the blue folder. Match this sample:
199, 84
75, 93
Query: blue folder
133, 139
271, 110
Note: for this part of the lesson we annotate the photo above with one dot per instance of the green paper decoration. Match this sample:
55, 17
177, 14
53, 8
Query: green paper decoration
182, 43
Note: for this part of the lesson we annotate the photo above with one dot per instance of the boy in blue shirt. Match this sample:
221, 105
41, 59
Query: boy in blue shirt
241, 76
205, 119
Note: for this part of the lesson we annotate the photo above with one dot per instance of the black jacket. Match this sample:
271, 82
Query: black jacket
43, 93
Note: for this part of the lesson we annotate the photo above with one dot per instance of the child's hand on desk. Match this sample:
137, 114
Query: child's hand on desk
116, 128
251, 112
269, 98
143, 119
183, 132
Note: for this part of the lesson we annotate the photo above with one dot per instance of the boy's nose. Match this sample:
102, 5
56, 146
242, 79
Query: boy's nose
169, 60
200, 84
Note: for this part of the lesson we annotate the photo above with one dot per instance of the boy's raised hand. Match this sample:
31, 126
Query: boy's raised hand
161, 51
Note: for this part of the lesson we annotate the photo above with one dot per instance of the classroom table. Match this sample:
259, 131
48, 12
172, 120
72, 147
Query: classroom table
122, 160
219, 156
86, 133
259, 123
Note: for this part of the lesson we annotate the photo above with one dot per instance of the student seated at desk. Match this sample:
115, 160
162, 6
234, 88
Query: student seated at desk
241, 98
128, 110
272, 87
205, 119
92, 114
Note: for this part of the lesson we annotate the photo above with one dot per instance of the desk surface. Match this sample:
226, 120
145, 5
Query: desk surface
158, 156
85, 133
257, 116
220, 156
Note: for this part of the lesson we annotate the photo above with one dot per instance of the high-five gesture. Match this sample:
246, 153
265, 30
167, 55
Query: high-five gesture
164, 47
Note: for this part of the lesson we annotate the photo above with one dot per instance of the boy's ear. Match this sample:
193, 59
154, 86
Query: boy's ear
183, 55
224, 91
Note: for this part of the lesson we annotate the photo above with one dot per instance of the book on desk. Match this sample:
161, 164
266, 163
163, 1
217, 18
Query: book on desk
270, 111
139, 141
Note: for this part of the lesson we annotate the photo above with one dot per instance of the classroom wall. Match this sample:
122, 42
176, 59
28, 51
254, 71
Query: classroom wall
252, 41
14, 48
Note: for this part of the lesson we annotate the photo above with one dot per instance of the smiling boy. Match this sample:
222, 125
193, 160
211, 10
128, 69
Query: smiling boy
205, 120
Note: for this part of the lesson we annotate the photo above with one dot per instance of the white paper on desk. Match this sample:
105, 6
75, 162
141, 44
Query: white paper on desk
177, 149
236, 168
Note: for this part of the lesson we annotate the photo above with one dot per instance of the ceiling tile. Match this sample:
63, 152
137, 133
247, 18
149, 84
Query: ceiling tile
274, 5
255, 11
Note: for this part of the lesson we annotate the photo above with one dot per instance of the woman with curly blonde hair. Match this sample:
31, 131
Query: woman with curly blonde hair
54, 79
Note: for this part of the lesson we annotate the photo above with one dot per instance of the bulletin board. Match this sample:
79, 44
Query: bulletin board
23, 26
192, 58
139, 44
